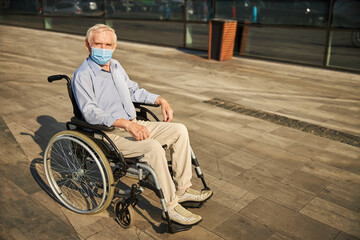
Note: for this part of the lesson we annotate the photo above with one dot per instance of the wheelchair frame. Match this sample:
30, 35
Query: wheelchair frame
82, 162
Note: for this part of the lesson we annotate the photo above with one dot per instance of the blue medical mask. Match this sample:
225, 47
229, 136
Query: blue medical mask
100, 55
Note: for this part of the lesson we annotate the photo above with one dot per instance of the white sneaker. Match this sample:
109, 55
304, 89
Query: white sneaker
182, 216
192, 195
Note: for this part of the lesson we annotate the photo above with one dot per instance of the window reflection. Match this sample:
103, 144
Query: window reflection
21, 6
234, 9
299, 45
199, 10
274, 11
345, 49
146, 9
294, 12
159, 32
197, 36
346, 13
78, 7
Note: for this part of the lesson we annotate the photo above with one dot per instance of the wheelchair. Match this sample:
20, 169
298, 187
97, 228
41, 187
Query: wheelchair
83, 166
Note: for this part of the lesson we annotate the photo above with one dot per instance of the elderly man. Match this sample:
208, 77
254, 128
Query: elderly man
104, 94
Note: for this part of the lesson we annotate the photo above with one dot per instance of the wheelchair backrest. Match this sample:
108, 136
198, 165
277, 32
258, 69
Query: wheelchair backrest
76, 109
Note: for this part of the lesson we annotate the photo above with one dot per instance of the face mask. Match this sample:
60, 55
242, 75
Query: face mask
101, 56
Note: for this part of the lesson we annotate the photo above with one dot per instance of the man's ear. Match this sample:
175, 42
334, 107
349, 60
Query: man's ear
87, 45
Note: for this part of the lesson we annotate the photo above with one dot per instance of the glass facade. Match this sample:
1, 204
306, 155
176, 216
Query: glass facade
157, 32
345, 49
298, 45
318, 32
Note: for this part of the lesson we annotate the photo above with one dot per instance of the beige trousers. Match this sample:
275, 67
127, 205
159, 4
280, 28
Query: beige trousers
175, 136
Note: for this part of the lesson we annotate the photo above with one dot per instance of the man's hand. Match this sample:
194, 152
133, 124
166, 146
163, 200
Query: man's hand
166, 110
139, 132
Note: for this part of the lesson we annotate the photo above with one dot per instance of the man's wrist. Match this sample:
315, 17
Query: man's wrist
159, 100
123, 123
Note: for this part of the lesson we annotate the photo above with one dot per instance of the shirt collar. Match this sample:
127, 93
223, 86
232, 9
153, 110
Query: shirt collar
96, 68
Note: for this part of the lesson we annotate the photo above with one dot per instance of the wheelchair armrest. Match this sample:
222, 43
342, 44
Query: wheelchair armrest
81, 123
138, 104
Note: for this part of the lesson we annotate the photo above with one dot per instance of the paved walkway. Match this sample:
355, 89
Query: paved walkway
271, 180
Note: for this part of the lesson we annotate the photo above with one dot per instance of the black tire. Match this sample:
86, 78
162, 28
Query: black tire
125, 214
78, 173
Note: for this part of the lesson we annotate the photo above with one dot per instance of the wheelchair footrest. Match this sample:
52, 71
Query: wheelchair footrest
191, 204
176, 227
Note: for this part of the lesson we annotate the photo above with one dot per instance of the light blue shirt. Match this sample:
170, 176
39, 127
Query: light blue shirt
103, 97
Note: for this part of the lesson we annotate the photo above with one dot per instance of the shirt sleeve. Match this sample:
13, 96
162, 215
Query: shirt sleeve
85, 98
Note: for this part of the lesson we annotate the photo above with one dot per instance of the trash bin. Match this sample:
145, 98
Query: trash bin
221, 39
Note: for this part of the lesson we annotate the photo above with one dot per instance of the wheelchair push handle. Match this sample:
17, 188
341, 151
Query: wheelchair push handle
58, 77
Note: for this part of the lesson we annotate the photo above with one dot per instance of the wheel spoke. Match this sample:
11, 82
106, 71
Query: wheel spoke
79, 174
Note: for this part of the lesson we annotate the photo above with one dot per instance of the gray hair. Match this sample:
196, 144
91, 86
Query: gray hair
99, 28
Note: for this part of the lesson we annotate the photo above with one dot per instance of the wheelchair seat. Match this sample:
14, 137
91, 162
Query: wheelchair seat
83, 166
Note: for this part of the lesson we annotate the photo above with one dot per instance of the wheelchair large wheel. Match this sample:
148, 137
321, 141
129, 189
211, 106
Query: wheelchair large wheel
78, 173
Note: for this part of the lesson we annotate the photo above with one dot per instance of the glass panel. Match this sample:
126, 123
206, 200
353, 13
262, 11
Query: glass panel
346, 13
21, 7
299, 45
274, 11
22, 20
146, 9
199, 10
294, 12
166, 33
345, 49
74, 8
197, 36
70, 25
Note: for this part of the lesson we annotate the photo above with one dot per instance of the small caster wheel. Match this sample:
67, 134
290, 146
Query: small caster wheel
125, 214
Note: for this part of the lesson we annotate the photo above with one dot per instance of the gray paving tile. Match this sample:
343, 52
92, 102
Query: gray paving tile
286, 221
270, 168
345, 236
303, 150
117, 232
292, 156
10, 191
274, 140
319, 169
43, 227
19, 173
213, 214
273, 190
278, 236
4, 235
337, 156
263, 150
342, 194
249, 132
343, 176
333, 215
212, 160
19, 211
242, 227
306, 182
231, 195
196, 232
243, 159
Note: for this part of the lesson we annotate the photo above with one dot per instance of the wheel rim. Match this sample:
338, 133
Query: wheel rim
124, 214
75, 174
